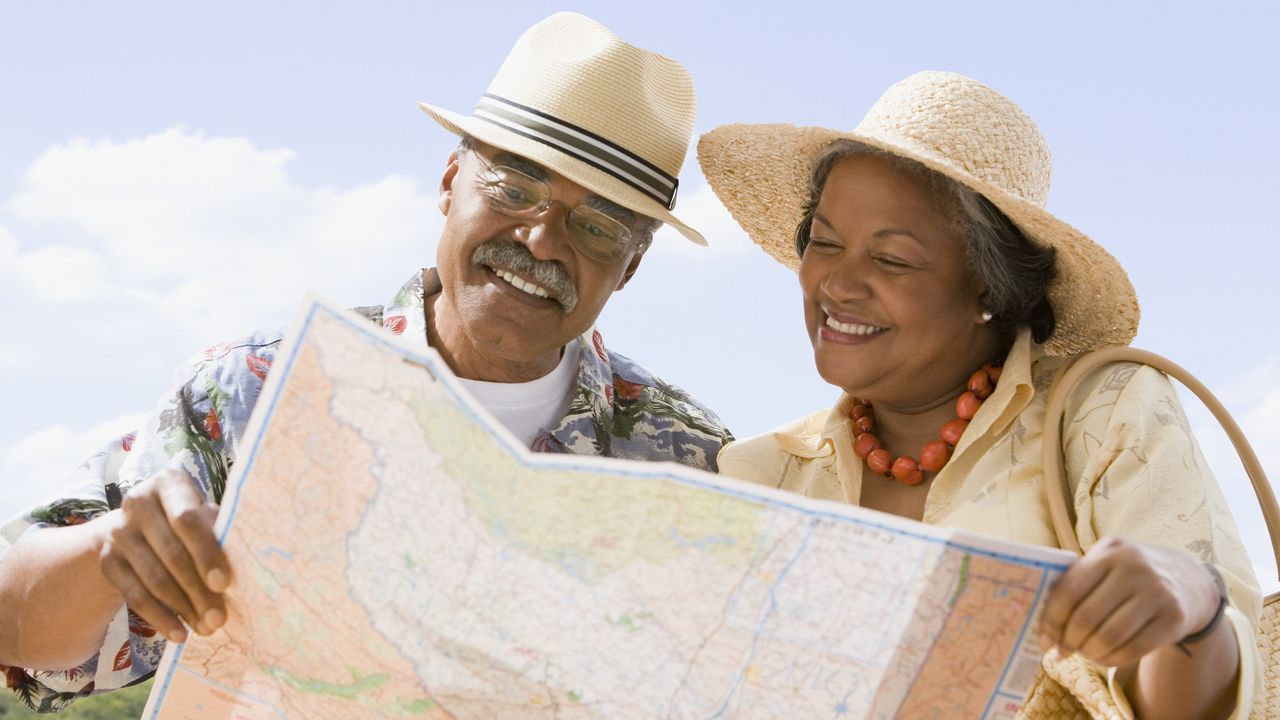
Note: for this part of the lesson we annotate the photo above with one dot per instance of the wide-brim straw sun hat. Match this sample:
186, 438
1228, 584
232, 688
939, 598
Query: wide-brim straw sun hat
962, 129
613, 118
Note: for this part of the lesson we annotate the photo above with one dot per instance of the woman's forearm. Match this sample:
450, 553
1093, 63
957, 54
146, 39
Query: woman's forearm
1169, 683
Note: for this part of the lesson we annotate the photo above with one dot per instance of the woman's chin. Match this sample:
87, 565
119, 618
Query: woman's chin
842, 377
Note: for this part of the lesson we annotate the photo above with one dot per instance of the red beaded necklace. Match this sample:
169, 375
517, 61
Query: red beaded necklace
934, 455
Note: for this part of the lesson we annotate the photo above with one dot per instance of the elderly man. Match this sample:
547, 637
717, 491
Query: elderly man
565, 169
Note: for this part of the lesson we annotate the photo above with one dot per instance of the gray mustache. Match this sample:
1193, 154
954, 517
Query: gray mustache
517, 258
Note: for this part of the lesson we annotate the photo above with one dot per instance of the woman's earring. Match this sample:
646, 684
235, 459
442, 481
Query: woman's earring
986, 316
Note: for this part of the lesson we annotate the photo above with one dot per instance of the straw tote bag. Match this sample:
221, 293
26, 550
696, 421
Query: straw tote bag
1069, 688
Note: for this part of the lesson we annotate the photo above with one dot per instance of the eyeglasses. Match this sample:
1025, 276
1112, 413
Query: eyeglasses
517, 194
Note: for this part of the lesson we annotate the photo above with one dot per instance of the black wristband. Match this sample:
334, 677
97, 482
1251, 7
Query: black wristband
1204, 632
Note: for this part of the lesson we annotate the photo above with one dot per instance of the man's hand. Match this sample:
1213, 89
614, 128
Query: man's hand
160, 552
1124, 599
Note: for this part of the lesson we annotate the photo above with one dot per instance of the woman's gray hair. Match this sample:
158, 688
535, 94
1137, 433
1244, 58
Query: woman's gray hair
1013, 272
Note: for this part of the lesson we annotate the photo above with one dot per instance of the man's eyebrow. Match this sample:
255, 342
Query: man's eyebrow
538, 172
612, 209
516, 162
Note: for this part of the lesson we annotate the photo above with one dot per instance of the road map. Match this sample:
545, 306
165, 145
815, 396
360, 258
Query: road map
399, 554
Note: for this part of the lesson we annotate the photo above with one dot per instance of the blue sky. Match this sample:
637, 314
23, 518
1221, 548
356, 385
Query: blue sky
176, 174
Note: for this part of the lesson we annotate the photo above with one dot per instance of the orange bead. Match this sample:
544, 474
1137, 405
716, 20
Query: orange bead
879, 460
967, 405
906, 470
934, 455
864, 423
993, 372
952, 431
860, 410
864, 444
980, 384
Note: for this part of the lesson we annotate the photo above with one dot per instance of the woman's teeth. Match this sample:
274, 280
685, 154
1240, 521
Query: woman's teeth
853, 328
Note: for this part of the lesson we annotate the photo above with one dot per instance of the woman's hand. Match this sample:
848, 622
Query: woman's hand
1124, 599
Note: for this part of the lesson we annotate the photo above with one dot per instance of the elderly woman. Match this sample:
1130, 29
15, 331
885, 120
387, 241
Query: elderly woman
942, 298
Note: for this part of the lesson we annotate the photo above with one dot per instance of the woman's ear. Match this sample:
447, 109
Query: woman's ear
984, 305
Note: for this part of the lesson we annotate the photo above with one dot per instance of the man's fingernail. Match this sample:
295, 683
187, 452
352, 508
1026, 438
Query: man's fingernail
177, 636
216, 580
213, 620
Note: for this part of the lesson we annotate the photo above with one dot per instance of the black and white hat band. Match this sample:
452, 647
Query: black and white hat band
581, 144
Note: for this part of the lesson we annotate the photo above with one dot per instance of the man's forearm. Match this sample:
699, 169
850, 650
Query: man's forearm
55, 603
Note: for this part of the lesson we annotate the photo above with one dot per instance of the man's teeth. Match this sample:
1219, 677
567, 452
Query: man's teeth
852, 328
522, 284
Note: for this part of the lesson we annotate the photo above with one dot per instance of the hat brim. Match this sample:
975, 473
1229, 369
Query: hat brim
761, 173
579, 172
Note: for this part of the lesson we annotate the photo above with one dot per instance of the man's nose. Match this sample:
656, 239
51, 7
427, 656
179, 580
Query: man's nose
547, 233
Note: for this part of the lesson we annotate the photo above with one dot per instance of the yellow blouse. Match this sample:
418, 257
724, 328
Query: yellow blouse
1129, 449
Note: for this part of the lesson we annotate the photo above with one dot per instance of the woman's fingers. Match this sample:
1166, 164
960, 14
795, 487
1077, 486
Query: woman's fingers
1123, 600
1115, 634
1071, 589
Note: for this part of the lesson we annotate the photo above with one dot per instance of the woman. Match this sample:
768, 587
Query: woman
942, 298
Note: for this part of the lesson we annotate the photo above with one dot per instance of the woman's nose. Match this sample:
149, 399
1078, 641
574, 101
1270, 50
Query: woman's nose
847, 279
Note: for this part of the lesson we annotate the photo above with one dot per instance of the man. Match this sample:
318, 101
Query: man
565, 169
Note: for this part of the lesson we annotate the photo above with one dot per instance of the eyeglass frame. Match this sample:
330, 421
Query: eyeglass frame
627, 238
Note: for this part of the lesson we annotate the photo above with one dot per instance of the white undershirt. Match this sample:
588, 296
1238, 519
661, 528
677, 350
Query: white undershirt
527, 408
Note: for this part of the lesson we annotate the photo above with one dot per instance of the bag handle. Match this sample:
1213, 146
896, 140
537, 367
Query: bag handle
1060, 505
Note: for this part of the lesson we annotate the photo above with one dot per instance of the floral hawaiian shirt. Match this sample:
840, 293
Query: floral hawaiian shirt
619, 410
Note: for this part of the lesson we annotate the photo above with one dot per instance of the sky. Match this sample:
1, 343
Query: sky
176, 174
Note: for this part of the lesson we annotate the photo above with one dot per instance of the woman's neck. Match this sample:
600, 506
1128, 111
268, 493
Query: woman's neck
903, 430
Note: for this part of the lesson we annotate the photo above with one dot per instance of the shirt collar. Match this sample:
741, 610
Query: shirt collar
1012, 394
405, 315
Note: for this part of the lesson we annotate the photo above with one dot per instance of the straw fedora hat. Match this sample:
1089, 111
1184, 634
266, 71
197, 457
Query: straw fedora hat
574, 98
961, 129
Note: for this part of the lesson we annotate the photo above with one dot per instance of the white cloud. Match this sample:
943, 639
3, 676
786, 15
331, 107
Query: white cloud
1253, 398
701, 209
10, 355
201, 235
8, 245
61, 274
119, 259
35, 467
152, 199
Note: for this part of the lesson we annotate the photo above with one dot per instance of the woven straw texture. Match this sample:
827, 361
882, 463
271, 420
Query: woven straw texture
1266, 704
1066, 689
959, 128
1069, 688
574, 69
